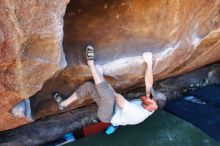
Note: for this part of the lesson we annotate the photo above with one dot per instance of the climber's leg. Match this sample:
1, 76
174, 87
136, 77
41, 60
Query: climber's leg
106, 92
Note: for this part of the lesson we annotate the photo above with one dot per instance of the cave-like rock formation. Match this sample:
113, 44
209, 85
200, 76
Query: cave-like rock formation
56, 126
182, 35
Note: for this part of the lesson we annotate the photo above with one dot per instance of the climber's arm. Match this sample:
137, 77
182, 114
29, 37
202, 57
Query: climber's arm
148, 73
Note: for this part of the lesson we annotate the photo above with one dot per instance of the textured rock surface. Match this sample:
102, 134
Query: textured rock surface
31, 34
49, 129
56, 126
183, 35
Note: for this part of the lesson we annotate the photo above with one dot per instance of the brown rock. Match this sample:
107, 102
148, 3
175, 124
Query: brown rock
50, 127
182, 36
31, 34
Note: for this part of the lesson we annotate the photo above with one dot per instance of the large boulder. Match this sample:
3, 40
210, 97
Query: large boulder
182, 35
31, 34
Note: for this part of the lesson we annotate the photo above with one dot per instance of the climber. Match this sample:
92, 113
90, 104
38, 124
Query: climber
113, 107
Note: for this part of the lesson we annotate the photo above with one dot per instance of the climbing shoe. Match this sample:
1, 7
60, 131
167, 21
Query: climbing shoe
90, 55
58, 98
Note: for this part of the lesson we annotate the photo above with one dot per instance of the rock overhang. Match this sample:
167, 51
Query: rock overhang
183, 36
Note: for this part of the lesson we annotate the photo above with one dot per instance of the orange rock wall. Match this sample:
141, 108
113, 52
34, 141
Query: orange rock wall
31, 34
182, 35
